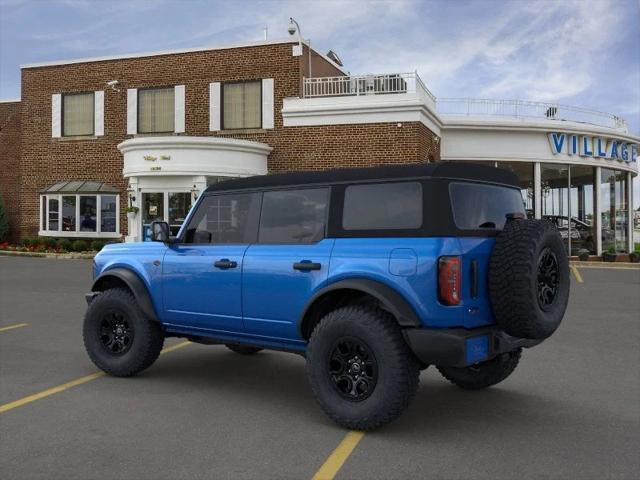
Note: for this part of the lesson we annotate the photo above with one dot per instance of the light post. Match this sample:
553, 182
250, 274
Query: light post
293, 28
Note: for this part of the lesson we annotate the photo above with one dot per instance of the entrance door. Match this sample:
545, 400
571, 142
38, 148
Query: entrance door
202, 272
170, 207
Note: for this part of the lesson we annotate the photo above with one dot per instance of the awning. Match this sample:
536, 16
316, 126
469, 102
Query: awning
80, 186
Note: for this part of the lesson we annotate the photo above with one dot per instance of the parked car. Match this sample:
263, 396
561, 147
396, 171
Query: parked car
371, 274
582, 235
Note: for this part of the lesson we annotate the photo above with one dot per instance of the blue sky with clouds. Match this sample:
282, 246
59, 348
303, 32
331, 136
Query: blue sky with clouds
578, 52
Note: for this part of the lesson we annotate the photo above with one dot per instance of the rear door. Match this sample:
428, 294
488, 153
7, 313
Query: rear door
289, 262
202, 275
479, 208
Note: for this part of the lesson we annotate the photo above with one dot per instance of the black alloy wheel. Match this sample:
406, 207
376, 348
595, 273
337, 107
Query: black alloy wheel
116, 332
548, 274
353, 369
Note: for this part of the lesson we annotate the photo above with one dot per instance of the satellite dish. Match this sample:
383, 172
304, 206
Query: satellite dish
334, 57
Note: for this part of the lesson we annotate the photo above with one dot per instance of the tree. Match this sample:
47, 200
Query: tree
4, 222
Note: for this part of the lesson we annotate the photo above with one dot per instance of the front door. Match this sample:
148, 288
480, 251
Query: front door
289, 262
170, 207
202, 271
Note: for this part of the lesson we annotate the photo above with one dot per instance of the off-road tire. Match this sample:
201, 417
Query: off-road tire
515, 278
397, 370
485, 374
242, 349
146, 343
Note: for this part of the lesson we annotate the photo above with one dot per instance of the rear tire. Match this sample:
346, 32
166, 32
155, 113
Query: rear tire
242, 349
118, 337
485, 374
361, 371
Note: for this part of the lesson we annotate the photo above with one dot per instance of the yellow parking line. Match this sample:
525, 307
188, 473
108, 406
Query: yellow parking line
11, 327
334, 463
576, 274
65, 386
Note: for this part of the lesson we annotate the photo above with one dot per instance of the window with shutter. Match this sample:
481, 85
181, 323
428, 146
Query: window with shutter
242, 105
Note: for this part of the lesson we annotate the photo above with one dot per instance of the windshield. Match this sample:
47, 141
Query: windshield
477, 206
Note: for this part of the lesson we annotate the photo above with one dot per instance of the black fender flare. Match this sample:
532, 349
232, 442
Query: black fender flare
135, 284
388, 297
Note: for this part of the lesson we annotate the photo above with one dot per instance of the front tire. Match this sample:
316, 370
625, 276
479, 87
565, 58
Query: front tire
361, 371
118, 337
485, 374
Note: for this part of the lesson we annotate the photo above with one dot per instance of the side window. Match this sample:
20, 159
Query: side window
226, 218
383, 206
293, 216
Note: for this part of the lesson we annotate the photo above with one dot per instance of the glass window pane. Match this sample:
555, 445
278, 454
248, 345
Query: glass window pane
156, 110
614, 210
77, 114
476, 206
231, 218
88, 211
524, 171
293, 216
241, 105
555, 197
383, 206
583, 234
53, 213
69, 213
43, 205
108, 219
179, 205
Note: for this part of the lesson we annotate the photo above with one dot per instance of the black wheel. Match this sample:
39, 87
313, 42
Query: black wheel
485, 374
118, 337
361, 371
529, 279
242, 349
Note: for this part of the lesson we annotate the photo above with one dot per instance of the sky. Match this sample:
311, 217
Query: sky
577, 52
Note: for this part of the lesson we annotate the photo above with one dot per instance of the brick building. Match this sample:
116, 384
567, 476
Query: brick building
90, 138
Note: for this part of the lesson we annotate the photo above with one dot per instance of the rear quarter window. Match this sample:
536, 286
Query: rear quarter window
383, 206
477, 206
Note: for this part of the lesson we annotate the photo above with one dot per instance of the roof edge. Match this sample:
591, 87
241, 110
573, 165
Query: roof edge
10, 100
124, 56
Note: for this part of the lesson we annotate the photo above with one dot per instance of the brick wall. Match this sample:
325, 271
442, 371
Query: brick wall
10, 162
46, 160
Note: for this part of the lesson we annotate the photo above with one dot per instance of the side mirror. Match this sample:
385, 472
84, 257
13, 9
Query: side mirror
160, 232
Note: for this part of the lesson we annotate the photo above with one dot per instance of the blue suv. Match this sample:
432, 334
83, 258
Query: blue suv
372, 274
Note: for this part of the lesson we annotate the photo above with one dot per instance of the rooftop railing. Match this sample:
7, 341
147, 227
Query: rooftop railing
356, 85
526, 109
398, 83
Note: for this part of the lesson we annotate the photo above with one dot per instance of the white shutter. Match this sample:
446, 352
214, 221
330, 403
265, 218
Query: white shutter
132, 111
267, 103
178, 111
98, 110
56, 115
214, 106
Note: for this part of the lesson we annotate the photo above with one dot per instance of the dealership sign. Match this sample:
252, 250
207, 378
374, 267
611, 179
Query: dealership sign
597, 147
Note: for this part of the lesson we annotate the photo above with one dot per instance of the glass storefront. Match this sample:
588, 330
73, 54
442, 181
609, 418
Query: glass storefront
582, 205
614, 210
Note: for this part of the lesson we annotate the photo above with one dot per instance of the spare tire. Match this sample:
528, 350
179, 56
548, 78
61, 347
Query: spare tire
529, 279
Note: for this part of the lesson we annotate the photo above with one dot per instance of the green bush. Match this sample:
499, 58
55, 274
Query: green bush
79, 246
29, 242
49, 242
4, 222
97, 245
65, 244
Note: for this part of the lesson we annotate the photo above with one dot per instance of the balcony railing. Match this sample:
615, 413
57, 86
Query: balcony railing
356, 85
525, 109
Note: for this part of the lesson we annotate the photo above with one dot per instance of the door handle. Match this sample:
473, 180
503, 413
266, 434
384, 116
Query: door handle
306, 266
225, 263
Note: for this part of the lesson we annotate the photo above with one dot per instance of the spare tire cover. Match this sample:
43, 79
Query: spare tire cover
529, 279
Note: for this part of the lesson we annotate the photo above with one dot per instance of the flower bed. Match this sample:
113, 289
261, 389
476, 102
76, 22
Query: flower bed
53, 245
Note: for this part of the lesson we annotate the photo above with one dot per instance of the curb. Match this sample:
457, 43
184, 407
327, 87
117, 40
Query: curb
60, 256
608, 265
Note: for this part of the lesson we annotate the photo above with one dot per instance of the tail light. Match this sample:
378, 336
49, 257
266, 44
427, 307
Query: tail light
449, 280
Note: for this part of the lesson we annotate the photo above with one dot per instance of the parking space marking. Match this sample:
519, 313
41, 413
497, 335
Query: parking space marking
11, 327
576, 274
334, 463
73, 383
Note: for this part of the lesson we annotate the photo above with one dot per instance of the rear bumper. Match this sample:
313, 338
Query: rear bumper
459, 347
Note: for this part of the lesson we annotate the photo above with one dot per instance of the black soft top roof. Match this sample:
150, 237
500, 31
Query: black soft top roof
453, 170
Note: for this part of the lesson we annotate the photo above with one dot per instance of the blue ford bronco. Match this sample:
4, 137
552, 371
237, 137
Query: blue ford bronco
372, 274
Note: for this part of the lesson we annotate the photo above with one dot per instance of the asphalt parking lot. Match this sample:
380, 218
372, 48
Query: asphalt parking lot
571, 410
